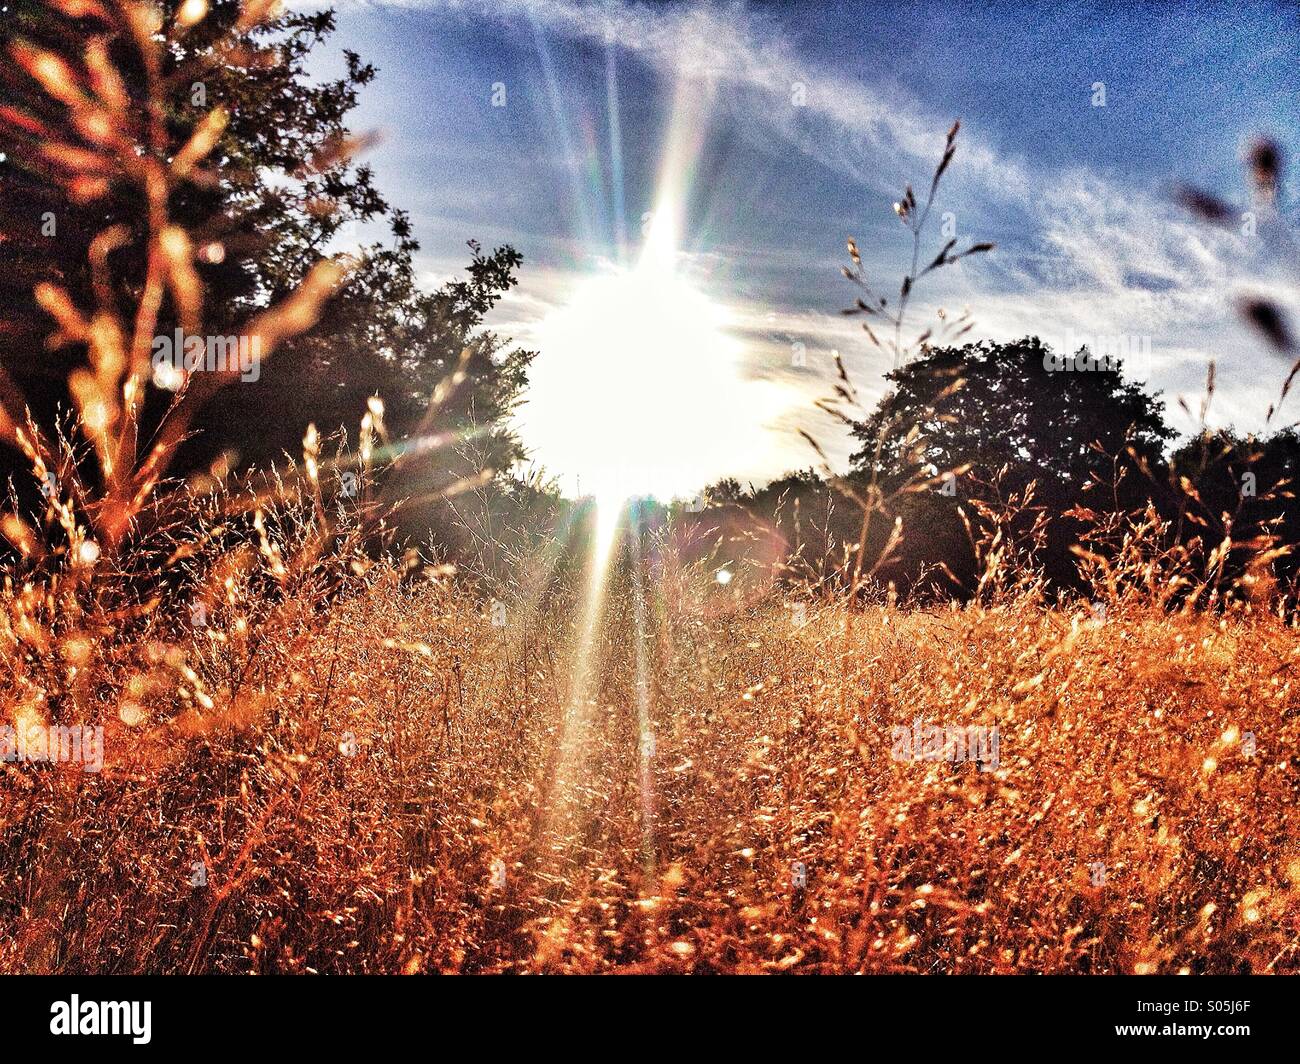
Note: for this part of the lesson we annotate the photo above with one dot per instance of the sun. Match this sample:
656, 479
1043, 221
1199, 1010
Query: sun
637, 388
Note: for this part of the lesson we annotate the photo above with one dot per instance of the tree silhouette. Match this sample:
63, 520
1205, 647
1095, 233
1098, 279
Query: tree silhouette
988, 424
1239, 488
282, 190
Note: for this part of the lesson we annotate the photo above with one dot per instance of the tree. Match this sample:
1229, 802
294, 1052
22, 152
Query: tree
1239, 488
281, 186
979, 424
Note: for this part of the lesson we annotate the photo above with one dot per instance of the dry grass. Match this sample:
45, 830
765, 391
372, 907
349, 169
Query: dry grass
1121, 743
348, 767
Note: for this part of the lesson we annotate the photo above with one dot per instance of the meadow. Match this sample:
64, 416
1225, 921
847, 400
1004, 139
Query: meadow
392, 782
304, 745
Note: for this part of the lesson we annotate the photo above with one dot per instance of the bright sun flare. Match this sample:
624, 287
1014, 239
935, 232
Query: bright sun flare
637, 387
636, 391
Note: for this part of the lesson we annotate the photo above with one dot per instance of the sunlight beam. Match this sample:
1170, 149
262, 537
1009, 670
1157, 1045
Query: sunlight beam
643, 361
565, 813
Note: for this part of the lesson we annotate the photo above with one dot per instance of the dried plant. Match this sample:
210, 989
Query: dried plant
318, 758
1263, 314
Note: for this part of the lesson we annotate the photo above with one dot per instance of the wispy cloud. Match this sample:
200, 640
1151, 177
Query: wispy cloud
1083, 252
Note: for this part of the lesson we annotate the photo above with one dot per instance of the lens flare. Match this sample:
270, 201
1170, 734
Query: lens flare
638, 386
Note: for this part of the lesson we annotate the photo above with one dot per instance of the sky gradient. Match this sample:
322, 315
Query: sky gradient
804, 122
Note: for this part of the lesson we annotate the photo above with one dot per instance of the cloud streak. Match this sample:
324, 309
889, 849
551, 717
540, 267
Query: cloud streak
1082, 252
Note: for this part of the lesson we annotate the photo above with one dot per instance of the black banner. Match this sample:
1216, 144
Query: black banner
1211, 1015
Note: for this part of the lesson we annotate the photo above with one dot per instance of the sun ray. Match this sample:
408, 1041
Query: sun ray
645, 728
637, 391
643, 360
566, 812
615, 150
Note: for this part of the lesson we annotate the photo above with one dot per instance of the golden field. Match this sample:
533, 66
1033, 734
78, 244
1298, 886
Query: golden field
315, 754
396, 784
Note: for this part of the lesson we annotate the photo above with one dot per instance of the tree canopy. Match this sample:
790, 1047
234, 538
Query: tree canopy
284, 189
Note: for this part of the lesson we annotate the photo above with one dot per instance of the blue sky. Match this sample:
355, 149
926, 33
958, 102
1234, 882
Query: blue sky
1076, 196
